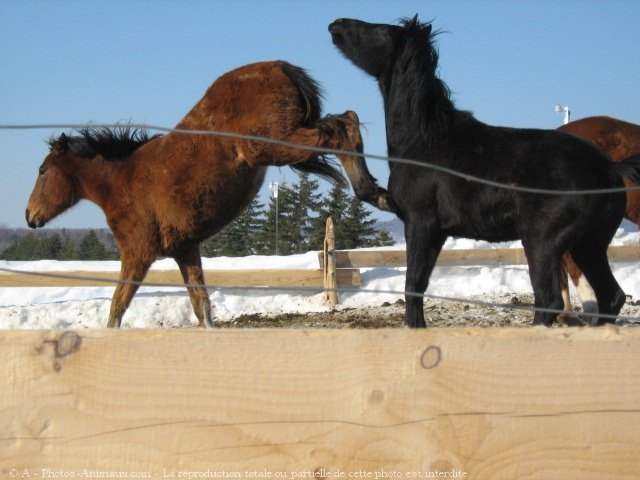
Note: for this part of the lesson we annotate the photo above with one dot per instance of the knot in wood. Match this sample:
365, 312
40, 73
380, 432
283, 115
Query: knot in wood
67, 343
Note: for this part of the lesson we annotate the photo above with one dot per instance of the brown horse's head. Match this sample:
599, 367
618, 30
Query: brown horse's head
55, 189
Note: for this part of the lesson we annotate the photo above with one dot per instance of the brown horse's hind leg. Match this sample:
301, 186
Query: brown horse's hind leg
341, 132
190, 265
364, 184
133, 270
569, 270
564, 288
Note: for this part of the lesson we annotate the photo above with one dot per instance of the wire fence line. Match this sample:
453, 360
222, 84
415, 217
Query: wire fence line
310, 290
329, 151
427, 165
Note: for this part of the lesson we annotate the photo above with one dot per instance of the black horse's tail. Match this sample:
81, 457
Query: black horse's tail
629, 168
311, 97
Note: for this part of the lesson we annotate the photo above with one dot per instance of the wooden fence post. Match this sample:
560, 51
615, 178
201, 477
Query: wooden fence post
329, 254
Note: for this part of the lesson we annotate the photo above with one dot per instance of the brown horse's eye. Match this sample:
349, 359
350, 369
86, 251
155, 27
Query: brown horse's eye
41, 171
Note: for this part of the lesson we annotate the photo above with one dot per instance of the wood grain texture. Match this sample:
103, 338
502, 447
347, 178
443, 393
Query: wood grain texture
494, 404
329, 264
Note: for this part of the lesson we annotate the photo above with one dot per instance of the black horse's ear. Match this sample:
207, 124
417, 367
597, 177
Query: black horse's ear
413, 22
62, 143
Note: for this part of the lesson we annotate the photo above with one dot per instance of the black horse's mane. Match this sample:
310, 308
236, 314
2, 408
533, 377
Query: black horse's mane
430, 100
112, 144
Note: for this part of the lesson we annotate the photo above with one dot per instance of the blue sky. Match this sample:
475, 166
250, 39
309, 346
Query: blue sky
508, 61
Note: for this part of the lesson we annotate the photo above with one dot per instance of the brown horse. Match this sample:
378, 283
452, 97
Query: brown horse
619, 139
163, 195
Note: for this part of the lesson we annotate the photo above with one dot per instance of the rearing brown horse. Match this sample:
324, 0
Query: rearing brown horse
164, 195
620, 140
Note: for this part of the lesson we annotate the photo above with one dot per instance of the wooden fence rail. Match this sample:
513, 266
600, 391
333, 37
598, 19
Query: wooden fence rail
342, 269
461, 257
481, 404
222, 278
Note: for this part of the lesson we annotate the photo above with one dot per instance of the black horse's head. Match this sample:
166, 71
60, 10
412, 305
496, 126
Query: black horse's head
374, 47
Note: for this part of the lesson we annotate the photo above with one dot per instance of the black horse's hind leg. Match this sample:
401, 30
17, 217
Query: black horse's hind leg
424, 243
544, 265
190, 265
592, 260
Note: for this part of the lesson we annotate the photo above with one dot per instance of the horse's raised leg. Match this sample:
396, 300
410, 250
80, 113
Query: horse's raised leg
341, 132
424, 243
364, 184
132, 269
190, 265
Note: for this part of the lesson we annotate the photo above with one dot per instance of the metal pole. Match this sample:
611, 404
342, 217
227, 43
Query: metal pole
273, 186
566, 111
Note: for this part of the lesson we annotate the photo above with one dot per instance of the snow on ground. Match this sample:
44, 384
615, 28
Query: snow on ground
81, 307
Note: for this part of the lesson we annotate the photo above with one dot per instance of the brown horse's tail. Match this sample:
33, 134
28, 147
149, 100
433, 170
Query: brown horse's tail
629, 168
311, 98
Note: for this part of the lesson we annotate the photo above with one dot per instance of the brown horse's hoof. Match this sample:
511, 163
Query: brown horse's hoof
350, 124
571, 320
351, 116
383, 202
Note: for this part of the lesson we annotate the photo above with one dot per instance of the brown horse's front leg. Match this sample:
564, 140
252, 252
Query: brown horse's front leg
344, 134
190, 265
131, 269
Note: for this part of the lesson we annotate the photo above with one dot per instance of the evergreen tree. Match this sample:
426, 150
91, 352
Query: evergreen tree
290, 225
276, 224
28, 248
355, 229
335, 207
237, 239
384, 238
353, 226
90, 248
307, 206
68, 249
51, 247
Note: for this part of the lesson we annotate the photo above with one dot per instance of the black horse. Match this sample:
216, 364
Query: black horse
423, 124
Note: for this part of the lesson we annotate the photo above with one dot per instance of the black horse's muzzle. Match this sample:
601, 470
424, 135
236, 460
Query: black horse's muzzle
336, 29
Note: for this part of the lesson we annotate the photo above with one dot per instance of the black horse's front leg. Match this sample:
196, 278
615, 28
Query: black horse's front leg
424, 242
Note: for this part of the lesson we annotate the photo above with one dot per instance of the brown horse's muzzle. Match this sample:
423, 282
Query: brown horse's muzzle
32, 221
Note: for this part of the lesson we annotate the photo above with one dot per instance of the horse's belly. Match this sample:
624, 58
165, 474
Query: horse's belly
222, 206
491, 228
211, 208
486, 217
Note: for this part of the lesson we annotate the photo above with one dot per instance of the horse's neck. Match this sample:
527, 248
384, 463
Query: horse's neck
417, 109
98, 179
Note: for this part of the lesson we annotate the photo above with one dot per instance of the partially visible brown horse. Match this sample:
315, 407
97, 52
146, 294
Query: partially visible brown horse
619, 139
163, 195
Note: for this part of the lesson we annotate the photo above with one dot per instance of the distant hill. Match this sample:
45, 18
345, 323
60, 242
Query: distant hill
10, 236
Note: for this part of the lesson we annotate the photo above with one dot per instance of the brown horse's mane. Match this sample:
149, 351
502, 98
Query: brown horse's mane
111, 144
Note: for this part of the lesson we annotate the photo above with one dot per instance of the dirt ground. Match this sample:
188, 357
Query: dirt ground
508, 311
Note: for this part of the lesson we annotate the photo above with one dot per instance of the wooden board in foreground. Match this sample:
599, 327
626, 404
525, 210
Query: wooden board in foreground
478, 404
220, 278
460, 257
